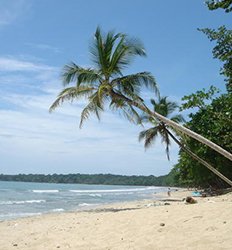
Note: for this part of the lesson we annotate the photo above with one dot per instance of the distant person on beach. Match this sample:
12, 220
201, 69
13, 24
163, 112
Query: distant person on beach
169, 192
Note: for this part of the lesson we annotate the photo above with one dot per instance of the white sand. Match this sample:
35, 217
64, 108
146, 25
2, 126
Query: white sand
205, 225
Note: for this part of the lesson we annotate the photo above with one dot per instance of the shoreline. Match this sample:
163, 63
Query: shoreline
145, 224
79, 207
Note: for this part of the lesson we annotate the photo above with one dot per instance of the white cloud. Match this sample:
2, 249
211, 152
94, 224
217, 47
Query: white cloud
8, 64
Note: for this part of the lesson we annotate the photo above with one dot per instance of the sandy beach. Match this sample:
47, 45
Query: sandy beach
137, 225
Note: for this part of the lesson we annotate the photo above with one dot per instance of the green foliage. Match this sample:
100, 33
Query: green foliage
214, 123
222, 50
198, 99
223, 4
103, 179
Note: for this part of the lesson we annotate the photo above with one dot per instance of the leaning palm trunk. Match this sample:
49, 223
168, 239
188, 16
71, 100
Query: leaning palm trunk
203, 162
173, 124
194, 135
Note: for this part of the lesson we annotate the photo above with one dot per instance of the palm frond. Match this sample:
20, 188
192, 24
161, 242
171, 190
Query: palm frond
135, 46
149, 136
94, 106
119, 57
103, 90
71, 93
75, 73
110, 42
125, 50
166, 141
96, 50
171, 107
153, 102
178, 118
126, 110
102, 50
164, 106
149, 119
132, 84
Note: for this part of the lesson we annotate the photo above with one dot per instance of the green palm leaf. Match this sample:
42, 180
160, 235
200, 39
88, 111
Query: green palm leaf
94, 106
71, 93
77, 74
166, 141
131, 85
149, 136
128, 111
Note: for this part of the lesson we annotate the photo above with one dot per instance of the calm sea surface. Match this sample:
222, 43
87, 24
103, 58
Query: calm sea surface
22, 199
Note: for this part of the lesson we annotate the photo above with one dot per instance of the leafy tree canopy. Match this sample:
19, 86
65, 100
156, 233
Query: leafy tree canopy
198, 99
222, 50
223, 4
214, 122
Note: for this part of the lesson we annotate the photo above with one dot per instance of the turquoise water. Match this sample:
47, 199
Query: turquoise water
22, 199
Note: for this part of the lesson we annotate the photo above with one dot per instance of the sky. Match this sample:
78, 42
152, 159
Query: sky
37, 38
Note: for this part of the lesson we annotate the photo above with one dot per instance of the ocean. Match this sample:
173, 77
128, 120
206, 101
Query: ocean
23, 199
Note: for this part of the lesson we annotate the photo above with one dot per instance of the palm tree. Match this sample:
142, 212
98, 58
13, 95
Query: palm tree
166, 108
111, 53
159, 128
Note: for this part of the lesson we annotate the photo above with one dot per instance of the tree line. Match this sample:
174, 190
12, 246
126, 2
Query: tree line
103, 179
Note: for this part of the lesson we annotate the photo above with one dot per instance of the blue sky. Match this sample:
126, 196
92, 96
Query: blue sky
39, 37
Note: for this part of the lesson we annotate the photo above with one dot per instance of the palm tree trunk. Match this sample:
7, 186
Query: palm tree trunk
174, 125
203, 162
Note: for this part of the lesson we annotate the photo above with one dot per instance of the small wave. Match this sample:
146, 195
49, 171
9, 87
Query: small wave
21, 202
113, 190
87, 204
57, 210
46, 191
95, 195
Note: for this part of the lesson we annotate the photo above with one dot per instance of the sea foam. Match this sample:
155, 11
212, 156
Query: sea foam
46, 191
21, 202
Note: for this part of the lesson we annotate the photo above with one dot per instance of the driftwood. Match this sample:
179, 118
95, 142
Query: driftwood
170, 199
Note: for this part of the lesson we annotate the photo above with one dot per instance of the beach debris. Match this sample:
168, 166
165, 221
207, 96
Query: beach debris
167, 203
15, 245
198, 217
152, 204
190, 200
171, 200
196, 194
162, 224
